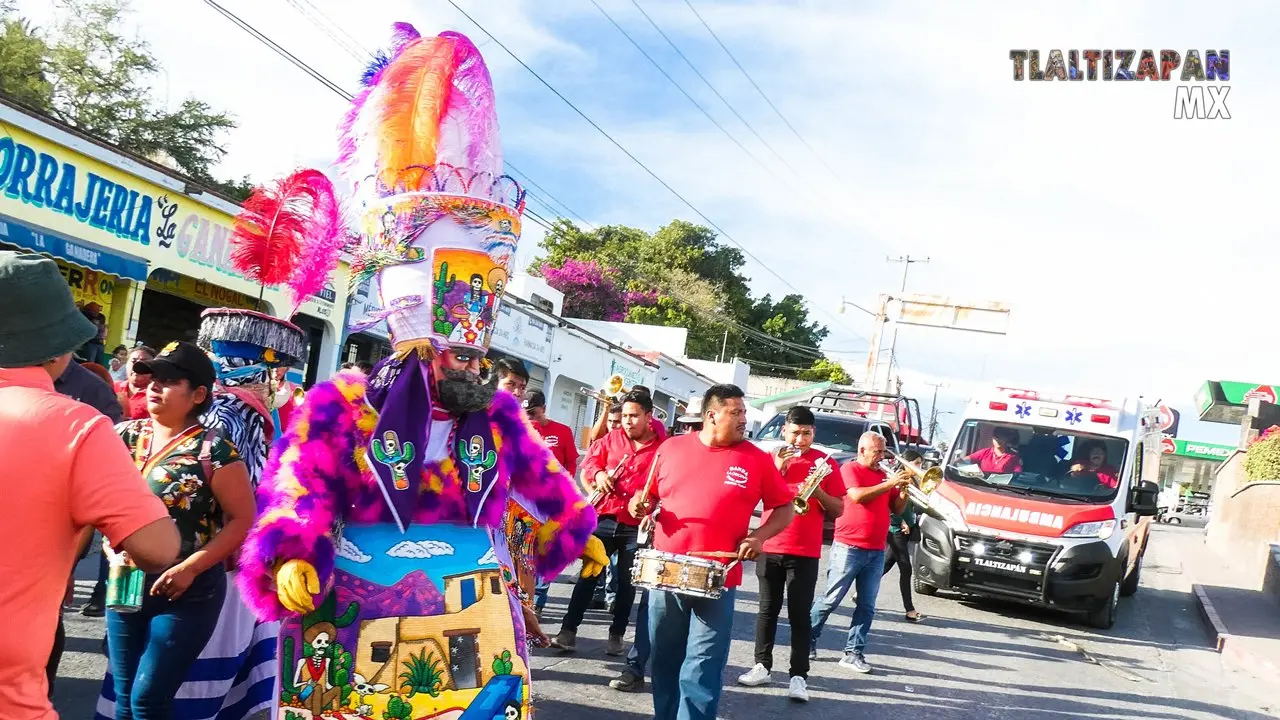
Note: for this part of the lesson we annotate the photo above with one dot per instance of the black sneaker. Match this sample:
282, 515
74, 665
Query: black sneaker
628, 681
93, 609
598, 604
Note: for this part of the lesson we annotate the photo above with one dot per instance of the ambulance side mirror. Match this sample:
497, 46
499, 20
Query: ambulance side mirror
1145, 499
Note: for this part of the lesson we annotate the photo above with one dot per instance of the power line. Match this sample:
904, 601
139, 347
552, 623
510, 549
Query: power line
325, 29
714, 90
679, 87
762, 93
630, 155
354, 42
543, 192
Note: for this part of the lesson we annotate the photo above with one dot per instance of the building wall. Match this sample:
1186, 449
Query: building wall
669, 340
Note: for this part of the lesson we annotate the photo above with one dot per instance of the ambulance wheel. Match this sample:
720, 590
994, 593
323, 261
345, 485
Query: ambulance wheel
1103, 617
923, 588
1130, 585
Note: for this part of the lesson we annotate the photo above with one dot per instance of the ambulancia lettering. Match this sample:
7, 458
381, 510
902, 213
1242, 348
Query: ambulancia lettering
1004, 512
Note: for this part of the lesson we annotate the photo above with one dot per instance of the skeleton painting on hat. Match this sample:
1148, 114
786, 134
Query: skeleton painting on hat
383, 506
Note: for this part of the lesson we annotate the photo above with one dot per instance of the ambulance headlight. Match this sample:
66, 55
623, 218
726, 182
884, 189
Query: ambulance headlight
1100, 529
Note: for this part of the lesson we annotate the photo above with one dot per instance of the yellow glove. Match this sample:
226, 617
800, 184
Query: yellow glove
296, 584
594, 558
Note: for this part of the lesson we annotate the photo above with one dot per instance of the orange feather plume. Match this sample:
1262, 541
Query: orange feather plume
415, 89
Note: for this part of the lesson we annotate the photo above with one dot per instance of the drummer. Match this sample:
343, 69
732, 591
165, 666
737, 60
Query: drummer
707, 486
616, 467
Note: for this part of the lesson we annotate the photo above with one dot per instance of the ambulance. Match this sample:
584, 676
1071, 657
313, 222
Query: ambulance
1044, 499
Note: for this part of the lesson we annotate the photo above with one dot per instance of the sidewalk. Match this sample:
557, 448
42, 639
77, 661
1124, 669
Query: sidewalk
1243, 622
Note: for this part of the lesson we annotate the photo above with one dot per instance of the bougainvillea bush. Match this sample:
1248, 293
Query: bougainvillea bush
592, 293
1262, 459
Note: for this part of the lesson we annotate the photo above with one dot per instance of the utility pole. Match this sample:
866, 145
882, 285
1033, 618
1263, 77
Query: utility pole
906, 261
933, 410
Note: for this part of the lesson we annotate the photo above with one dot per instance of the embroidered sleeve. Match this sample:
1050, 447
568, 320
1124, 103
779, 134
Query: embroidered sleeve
309, 476
567, 518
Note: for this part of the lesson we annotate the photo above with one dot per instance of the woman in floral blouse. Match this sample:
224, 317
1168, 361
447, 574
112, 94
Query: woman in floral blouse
201, 479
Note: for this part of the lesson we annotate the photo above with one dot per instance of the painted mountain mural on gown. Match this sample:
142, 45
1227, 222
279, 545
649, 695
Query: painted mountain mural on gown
414, 595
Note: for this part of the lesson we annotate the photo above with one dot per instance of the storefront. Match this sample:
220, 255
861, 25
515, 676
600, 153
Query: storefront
1191, 465
525, 334
370, 344
163, 244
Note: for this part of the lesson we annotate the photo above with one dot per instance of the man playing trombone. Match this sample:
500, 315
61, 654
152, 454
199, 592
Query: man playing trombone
614, 471
791, 557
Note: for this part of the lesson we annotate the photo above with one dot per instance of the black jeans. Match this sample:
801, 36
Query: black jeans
617, 538
55, 655
898, 552
799, 576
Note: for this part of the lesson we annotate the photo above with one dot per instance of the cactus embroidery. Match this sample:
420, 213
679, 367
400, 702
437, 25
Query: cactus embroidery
390, 452
478, 461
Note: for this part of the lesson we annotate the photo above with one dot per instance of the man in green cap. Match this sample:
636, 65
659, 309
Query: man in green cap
62, 468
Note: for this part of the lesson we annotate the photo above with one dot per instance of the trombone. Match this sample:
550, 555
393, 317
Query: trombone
614, 388
928, 479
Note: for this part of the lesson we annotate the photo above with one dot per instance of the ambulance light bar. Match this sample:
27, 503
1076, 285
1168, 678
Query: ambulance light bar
1073, 400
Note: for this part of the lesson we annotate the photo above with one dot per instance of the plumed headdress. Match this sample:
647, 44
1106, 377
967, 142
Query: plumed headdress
440, 220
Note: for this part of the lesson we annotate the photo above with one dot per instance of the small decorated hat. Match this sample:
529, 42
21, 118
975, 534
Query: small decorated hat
254, 336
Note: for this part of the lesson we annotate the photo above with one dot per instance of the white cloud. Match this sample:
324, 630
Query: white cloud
489, 558
349, 551
420, 550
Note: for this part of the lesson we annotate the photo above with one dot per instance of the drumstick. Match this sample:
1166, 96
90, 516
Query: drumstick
714, 554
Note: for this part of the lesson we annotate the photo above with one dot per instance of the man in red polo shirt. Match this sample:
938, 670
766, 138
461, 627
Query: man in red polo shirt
706, 488
791, 557
557, 436
857, 554
616, 468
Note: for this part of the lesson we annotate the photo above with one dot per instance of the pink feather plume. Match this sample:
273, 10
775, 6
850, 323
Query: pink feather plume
285, 234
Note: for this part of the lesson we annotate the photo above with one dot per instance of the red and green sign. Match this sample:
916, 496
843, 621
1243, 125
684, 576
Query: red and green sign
1197, 450
1226, 401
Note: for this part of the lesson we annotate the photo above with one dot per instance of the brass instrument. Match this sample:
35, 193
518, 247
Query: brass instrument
597, 495
810, 484
928, 479
614, 388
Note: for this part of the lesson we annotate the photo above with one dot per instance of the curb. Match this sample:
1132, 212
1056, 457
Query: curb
1232, 655
1209, 614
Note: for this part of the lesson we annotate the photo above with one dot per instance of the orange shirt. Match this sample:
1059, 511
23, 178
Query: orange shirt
62, 467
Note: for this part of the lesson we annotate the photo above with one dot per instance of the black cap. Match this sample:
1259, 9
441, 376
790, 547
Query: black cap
534, 399
180, 361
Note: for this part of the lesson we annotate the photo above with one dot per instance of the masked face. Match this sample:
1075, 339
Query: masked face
459, 385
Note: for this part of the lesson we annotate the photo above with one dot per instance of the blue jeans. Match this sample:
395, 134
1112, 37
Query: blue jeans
638, 655
850, 567
691, 635
540, 594
151, 650
608, 591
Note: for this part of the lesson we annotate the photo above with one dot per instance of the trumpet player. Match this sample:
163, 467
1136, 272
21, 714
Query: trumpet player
616, 469
790, 560
903, 530
857, 554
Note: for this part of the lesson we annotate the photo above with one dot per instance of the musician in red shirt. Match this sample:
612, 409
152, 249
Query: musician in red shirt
132, 391
791, 557
557, 436
615, 470
706, 487
857, 555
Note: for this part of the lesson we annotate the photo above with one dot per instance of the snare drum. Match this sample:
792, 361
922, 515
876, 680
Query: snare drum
683, 574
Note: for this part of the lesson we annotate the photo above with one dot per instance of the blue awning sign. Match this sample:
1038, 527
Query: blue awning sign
79, 252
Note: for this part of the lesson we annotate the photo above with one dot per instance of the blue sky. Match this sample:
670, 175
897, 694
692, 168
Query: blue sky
1135, 250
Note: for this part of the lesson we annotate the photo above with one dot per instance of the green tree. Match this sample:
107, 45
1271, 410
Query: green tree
22, 70
825, 370
94, 78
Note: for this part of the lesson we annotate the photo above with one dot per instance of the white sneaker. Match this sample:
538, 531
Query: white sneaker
755, 677
799, 690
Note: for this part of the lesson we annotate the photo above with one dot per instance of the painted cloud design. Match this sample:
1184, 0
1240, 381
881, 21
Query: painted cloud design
349, 551
488, 559
420, 550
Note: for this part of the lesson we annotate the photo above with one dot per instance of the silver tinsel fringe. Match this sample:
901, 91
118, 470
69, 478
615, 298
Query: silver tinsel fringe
287, 340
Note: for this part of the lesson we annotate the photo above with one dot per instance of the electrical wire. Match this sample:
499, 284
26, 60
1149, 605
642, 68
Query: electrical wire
635, 159
325, 29
759, 90
543, 192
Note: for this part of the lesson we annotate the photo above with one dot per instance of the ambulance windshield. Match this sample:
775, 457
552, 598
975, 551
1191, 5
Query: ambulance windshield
1036, 460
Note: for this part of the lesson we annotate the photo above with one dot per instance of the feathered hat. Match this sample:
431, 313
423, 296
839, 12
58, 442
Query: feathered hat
289, 234
440, 220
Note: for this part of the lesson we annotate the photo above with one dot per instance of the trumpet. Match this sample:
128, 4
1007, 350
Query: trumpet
597, 495
614, 388
810, 484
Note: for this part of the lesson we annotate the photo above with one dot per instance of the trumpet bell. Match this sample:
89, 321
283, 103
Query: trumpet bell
931, 479
616, 385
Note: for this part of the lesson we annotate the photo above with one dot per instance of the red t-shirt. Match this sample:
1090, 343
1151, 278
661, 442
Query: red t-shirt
708, 495
863, 525
606, 454
559, 438
988, 462
803, 537
136, 399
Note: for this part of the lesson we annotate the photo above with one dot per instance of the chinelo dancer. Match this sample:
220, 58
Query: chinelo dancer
402, 511
289, 234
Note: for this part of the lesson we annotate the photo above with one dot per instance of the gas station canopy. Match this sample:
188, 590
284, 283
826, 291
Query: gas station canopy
1226, 401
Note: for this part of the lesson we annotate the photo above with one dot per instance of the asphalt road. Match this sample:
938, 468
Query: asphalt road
967, 660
